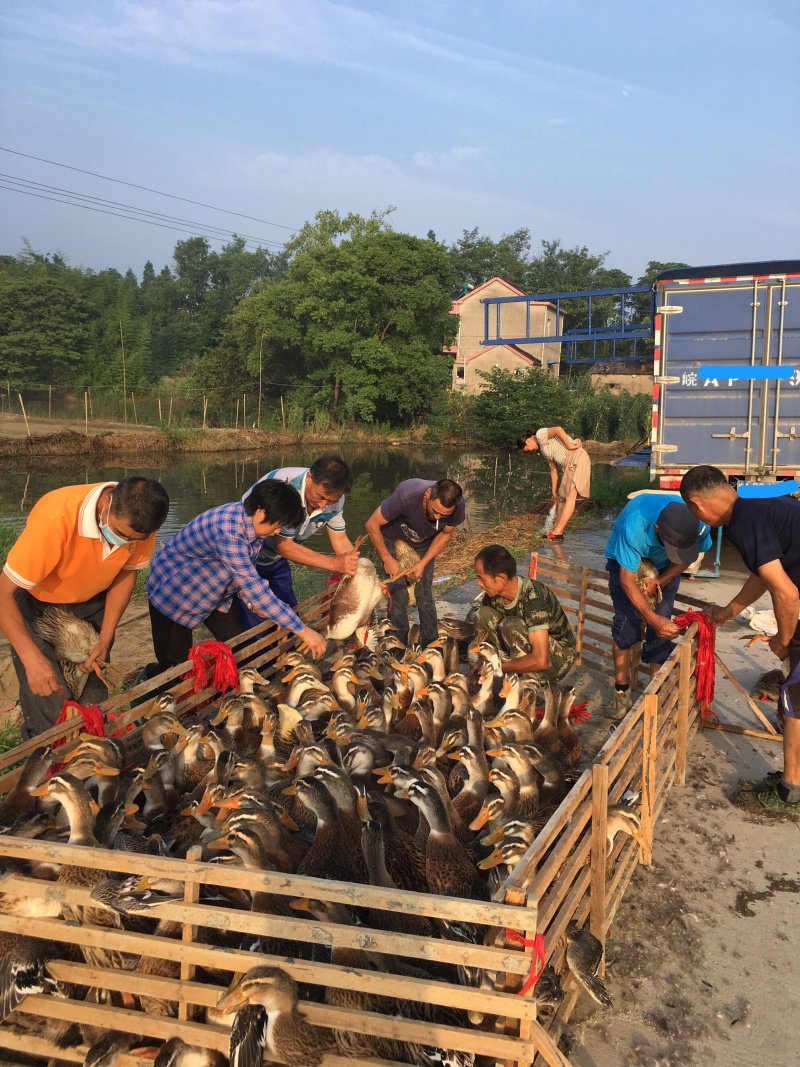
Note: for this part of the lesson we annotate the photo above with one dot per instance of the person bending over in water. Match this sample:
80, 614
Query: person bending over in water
568, 455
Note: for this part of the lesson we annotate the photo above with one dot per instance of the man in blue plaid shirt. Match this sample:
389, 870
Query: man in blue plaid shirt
194, 577
322, 487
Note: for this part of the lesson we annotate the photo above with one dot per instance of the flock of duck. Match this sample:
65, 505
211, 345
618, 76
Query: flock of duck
392, 768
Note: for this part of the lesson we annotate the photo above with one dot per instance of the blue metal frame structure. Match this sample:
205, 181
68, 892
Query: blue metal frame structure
625, 330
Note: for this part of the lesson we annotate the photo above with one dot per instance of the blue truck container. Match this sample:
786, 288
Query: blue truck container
726, 372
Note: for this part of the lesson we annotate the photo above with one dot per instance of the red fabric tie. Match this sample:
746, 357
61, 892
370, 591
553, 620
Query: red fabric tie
332, 584
577, 713
537, 960
214, 665
705, 667
90, 713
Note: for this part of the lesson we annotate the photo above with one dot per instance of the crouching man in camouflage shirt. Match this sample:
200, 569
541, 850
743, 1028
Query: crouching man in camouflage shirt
522, 618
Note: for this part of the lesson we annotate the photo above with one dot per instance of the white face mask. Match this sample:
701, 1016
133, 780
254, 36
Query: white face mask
109, 536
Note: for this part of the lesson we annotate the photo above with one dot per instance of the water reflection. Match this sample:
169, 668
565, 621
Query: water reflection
495, 484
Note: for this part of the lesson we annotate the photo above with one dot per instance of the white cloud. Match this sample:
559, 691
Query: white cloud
453, 157
434, 196
315, 33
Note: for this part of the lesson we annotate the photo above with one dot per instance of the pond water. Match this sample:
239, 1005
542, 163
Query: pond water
496, 485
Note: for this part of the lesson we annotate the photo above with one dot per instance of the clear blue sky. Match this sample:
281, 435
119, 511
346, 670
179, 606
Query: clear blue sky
652, 130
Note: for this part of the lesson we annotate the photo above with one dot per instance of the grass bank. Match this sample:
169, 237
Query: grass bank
161, 442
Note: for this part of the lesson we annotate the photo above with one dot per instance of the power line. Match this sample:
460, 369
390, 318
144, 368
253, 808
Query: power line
118, 214
147, 189
42, 187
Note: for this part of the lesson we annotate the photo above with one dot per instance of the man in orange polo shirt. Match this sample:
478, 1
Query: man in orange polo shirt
80, 549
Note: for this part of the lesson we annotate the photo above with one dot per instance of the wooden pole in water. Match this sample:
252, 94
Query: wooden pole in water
283, 413
86, 411
205, 409
169, 416
237, 412
24, 414
49, 401
260, 375
244, 411
133, 401
160, 417
124, 383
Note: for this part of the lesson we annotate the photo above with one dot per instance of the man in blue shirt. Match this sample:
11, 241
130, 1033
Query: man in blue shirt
322, 487
660, 528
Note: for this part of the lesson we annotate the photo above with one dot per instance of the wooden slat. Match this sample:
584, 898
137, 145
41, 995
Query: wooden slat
684, 701
649, 726
581, 615
762, 735
431, 991
328, 934
599, 849
623, 872
294, 885
527, 867
215, 1037
759, 714
126, 1020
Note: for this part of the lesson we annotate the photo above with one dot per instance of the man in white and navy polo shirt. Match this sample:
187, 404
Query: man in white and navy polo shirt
322, 487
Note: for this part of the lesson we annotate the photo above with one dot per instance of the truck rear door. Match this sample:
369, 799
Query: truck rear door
748, 424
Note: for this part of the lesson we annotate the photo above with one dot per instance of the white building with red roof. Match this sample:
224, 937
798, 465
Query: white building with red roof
470, 353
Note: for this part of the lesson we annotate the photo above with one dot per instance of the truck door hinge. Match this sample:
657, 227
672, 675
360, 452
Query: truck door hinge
669, 309
791, 434
664, 448
732, 435
667, 379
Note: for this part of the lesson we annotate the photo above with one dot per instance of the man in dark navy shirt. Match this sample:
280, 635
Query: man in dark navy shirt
766, 533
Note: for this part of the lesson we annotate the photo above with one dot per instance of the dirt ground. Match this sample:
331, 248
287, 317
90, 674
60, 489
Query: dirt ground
702, 958
14, 426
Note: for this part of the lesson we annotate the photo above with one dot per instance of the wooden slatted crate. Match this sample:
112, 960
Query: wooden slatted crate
564, 875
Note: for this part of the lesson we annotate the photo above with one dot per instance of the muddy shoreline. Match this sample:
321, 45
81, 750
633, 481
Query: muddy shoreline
119, 443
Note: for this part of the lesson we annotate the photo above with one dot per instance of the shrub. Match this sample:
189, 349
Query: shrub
509, 404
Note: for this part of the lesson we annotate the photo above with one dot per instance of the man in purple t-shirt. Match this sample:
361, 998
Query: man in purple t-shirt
424, 515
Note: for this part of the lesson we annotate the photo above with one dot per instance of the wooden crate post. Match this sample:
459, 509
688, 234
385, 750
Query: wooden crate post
191, 895
684, 706
581, 615
531, 922
649, 746
599, 851
510, 982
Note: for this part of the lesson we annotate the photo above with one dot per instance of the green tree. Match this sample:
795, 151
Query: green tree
44, 327
358, 321
476, 258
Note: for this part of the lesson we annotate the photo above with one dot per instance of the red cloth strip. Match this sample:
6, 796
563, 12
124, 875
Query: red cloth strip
214, 665
577, 713
537, 960
705, 667
90, 713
